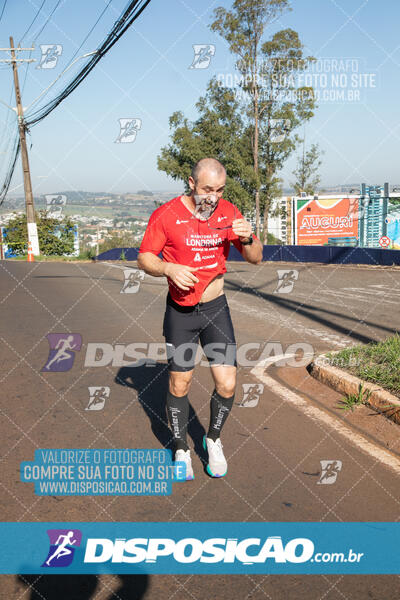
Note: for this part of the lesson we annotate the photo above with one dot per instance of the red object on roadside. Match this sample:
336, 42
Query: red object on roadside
30, 258
384, 242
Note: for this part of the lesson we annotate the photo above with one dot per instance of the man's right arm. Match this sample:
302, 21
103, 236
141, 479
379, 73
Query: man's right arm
151, 264
181, 275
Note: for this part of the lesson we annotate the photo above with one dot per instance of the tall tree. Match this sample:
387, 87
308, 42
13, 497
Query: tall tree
220, 132
275, 105
306, 172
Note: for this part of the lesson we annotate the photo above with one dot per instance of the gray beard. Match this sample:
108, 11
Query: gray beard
203, 211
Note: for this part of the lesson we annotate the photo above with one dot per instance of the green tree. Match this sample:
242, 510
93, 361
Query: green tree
56, 236
306, 172
274, 103
254, 132
219, 132
125, 239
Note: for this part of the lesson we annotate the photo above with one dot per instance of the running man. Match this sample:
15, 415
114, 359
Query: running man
194, 235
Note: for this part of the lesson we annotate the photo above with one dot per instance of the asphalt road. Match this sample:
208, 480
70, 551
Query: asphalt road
273, 449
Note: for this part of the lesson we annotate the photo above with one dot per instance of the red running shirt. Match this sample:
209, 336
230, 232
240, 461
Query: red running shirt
173, 230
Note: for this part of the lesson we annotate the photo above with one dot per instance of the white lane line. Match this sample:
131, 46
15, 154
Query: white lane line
331, 338
358, 298
107, 264
319, 415
161, 280
290, 323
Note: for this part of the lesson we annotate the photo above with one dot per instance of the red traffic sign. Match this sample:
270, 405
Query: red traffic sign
384, 242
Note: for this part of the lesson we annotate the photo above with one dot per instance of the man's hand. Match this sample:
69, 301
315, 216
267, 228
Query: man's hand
181, 275
242, 228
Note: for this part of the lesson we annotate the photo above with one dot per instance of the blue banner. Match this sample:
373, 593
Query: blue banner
321, 254
203, 547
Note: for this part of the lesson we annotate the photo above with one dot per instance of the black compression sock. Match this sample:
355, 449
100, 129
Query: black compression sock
178, 416
220, 408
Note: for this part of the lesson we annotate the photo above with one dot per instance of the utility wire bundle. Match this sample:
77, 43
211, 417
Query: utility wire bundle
131, 13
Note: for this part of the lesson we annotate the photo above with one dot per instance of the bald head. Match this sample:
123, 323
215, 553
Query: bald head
210, 167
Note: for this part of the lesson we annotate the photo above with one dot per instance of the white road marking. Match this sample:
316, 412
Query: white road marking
316, 414
382, 294
107, 264
309, 410
290, 323
161, 280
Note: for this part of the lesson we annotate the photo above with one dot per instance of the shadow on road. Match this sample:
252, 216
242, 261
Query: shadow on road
315, 313
151, 384
82, 587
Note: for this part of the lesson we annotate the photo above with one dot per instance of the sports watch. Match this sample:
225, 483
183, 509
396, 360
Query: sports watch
249, 242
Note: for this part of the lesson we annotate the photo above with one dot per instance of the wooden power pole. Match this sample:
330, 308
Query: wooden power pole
30, 208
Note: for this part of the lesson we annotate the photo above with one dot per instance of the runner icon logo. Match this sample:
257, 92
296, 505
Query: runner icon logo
202, 56
50, 55
62, 351
62, 547
286, 280
55, 204
133, 277
97, 397
329, 471
251, 394
128, 130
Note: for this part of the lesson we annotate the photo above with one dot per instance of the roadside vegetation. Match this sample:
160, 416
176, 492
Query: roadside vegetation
376, 362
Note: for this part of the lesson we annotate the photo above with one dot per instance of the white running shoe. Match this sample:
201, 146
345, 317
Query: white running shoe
180, 473
217, 465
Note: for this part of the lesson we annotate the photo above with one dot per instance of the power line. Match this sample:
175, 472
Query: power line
6, 124
11, 169
2, 11
16, 141
36, 37
16, 146
132, 11
30, 53
130, 14
84, 40
91, 30
47, 20
34, 19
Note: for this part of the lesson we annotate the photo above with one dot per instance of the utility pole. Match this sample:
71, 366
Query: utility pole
30, 209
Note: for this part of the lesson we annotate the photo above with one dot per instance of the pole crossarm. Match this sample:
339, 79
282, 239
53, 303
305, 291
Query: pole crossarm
11, 60
17, 49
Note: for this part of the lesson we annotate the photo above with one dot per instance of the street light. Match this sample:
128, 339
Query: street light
14, 109
57, 78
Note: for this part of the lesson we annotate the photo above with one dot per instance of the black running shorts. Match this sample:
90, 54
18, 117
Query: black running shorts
210, 322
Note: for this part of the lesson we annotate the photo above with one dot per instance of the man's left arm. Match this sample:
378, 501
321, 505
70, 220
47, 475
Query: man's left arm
251, 251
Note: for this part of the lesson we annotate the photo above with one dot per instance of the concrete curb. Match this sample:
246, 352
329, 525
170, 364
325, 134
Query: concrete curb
380, 400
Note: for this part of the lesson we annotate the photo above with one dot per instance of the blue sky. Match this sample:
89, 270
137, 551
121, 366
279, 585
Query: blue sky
146, 76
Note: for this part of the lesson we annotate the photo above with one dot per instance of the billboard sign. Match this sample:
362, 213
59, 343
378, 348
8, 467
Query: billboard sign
324, 220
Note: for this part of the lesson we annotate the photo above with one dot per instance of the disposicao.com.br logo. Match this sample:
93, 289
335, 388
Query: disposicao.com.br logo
207, 548
247, 551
